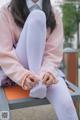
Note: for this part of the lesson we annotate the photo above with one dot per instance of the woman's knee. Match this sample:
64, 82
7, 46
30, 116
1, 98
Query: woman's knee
37, 17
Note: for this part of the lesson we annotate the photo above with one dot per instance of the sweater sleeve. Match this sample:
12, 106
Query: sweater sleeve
8, 58
54, 48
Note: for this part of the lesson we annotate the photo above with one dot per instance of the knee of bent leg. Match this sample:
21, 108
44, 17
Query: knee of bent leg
37, 16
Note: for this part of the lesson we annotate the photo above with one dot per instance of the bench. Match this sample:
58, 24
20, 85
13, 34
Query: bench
15, 97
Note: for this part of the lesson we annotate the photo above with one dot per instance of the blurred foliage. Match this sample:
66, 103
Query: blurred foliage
70, 18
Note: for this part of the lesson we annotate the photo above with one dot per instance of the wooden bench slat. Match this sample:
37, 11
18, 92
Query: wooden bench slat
15, 92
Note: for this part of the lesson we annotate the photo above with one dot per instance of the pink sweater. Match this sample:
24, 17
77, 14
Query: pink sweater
9, 36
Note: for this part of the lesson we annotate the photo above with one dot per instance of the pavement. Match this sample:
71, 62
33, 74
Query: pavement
44, 112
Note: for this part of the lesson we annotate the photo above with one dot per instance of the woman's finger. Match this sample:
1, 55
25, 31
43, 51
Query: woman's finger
55, 81
45, 78
33, 78
25, 87
50, 81
29, 83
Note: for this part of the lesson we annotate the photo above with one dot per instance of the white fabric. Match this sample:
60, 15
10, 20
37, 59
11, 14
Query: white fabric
59, 96
39, 91
30, 3
30, 50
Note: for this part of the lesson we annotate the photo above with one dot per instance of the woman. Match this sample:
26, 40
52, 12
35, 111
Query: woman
31, 50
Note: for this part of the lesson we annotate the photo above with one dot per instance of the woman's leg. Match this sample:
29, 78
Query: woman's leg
31, 47
31, 57
58, 95
35, 49
36, 39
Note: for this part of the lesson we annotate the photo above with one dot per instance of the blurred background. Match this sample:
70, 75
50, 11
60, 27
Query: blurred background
70, 11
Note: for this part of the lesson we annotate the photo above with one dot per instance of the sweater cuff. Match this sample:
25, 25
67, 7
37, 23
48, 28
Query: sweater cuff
21, 82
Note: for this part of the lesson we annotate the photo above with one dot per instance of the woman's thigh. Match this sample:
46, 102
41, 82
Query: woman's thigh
31, 43
21, 48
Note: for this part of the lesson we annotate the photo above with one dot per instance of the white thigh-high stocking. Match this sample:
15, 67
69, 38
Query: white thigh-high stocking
58, 95
31, 45
36, 38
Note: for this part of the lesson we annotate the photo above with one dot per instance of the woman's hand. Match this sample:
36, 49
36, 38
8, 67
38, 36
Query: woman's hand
30, 82
49, 79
